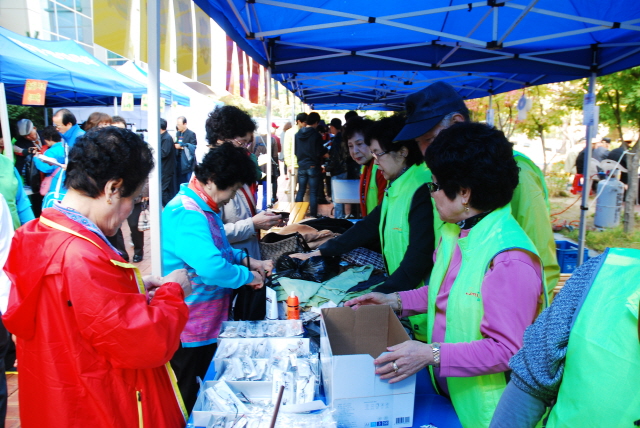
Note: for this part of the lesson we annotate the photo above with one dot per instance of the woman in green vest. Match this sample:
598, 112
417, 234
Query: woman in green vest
403, 224
484, 287
581, 358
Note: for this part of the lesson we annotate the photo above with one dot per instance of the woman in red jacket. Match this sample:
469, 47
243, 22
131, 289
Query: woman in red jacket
93, 336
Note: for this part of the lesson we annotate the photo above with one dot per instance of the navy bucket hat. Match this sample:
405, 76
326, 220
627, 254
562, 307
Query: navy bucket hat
426, 108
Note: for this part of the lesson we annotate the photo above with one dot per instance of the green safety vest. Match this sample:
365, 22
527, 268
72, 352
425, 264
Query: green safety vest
601, 381
474, 398
9, 188
371, 198
394, 220
525, 207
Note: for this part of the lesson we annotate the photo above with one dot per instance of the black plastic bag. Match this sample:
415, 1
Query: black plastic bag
312, 269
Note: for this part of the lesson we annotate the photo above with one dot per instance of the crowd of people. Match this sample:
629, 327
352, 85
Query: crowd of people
460, 218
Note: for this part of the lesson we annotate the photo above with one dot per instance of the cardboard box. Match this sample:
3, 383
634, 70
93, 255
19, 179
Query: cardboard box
350, 341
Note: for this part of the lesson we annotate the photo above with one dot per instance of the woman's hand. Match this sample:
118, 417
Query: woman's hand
257, 282
263, 267
305, 256
265, 220
180, 276
410, 357
374, 299
151, 284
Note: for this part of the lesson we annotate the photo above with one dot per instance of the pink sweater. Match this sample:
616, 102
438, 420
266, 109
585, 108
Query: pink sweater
510, 293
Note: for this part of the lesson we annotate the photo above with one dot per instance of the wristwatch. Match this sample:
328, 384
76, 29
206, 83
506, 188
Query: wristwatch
435, 348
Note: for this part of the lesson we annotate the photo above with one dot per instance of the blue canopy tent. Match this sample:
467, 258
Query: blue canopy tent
131, 70
530, 41
386, 90
74, 76
527, 41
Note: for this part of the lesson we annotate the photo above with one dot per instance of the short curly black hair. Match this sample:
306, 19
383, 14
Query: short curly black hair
478, 157
226, 165
385, 130
108, 153
226, 123
50, 133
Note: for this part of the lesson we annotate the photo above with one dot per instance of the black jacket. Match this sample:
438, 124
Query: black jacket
337, 156
309, 148
168, 159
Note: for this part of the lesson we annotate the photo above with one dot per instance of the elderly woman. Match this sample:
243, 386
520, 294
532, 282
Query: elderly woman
194, 239
242, 220
484, 287
372, 182
403, 223
91, 341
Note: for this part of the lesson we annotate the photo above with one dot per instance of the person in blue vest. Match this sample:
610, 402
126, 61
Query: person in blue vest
581, 358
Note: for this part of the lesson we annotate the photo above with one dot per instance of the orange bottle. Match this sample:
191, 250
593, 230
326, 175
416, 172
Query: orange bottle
293, 307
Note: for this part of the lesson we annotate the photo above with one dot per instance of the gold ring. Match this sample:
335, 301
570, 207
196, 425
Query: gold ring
395, 367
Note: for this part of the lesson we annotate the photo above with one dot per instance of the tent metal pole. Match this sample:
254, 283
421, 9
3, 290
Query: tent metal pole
4, 121
586, 186
115, 106
292, 182
269, 154
46, 116
153, 133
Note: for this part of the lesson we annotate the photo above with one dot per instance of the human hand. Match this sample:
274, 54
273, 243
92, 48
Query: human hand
151, 284
263, 267
290, 171
265, 220
305, 256
180, 276
374, 299
410, 357
257, 282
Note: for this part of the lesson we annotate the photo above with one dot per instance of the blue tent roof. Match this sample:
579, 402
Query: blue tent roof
529, 41
130, 69
74, 76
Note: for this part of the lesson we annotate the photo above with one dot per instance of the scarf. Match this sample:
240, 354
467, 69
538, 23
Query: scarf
196, 186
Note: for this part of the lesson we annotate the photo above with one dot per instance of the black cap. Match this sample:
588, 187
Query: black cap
426, 108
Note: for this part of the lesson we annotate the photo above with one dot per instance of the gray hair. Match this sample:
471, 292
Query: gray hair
447, 121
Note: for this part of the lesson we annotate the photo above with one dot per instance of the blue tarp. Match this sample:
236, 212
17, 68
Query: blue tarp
130, 69
75, 78
526, 41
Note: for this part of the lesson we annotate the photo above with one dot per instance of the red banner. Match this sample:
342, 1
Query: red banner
34, 92
241, 70
254, 95
230, 44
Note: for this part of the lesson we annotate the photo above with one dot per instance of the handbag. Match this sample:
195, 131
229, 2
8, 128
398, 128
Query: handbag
144, 220
274, 245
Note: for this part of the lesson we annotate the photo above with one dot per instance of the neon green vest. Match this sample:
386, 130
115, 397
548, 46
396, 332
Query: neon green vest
525, 207
9, 187
601, 382
474, 398
371, 198
394, 223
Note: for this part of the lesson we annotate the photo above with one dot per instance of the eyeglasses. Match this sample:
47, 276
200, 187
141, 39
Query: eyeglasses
433, 187
379, 155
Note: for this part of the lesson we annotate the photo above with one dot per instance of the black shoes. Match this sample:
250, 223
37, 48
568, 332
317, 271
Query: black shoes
137, 259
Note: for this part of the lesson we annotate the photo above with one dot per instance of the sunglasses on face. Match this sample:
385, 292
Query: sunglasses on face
379, 155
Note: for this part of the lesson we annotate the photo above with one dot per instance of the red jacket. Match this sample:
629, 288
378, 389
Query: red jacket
91, 350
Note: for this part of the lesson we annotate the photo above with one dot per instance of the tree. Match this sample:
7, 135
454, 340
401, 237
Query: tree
619, 99
546, 112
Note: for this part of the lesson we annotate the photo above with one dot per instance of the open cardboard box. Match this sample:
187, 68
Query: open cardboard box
350, 341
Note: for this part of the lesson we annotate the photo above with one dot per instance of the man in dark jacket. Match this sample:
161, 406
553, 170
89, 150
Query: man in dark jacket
337, 165
186, 144
28, 142
168, 163
309, 150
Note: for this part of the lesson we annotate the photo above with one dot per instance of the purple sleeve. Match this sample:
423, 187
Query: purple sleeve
414, 302
510, 296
